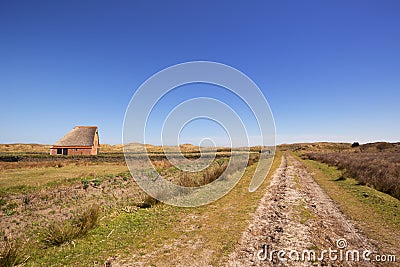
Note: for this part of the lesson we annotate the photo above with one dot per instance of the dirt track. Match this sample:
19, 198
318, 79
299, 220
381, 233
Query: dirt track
296, 214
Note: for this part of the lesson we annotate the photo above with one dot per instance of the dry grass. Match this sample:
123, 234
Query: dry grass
207, 176
380, 170
193, 179
37, 148
10, 253
161, 164
33, 164
148, 202
217, 226
59, 204
315, 147
41, 175
62, 232
106, 148
253, 158
207, 233
326, 147
213, 173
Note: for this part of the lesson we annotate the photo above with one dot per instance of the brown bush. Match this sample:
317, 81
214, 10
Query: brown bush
186, 180
253, 158
210, 174
161, 164
380, 170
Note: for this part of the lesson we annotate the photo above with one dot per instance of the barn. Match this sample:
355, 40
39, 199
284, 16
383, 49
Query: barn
82, 140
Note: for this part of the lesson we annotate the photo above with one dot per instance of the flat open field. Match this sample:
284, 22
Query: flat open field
45, 173
89, 211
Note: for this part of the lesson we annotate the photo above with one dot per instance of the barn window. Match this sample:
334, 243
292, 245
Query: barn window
59, 151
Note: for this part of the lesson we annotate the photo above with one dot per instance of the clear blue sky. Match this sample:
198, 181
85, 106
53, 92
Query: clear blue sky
330, 70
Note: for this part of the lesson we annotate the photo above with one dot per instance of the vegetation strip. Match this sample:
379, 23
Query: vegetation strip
380, 170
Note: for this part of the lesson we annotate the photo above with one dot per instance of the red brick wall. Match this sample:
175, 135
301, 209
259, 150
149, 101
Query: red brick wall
80, 151
77, 151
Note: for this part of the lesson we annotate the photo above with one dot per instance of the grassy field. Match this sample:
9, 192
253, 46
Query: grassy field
152, 236
90, 211
43, 203
57, 172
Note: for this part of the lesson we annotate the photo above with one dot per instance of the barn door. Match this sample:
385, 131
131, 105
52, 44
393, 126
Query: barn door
65, 151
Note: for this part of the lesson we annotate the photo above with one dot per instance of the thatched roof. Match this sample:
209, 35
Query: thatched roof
79, 136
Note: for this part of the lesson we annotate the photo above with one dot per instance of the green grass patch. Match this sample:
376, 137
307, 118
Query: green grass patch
118, 235
9, 209
302, 213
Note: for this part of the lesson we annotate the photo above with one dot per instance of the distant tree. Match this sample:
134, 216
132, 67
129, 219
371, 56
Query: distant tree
355, 144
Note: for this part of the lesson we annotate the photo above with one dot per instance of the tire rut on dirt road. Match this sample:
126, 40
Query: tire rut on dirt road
295, 214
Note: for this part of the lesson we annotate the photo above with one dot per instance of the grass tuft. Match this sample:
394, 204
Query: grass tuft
87, 220
61, 232
148, 202
10, 254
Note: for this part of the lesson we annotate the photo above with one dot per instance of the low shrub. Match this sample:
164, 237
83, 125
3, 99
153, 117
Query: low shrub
380, 170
